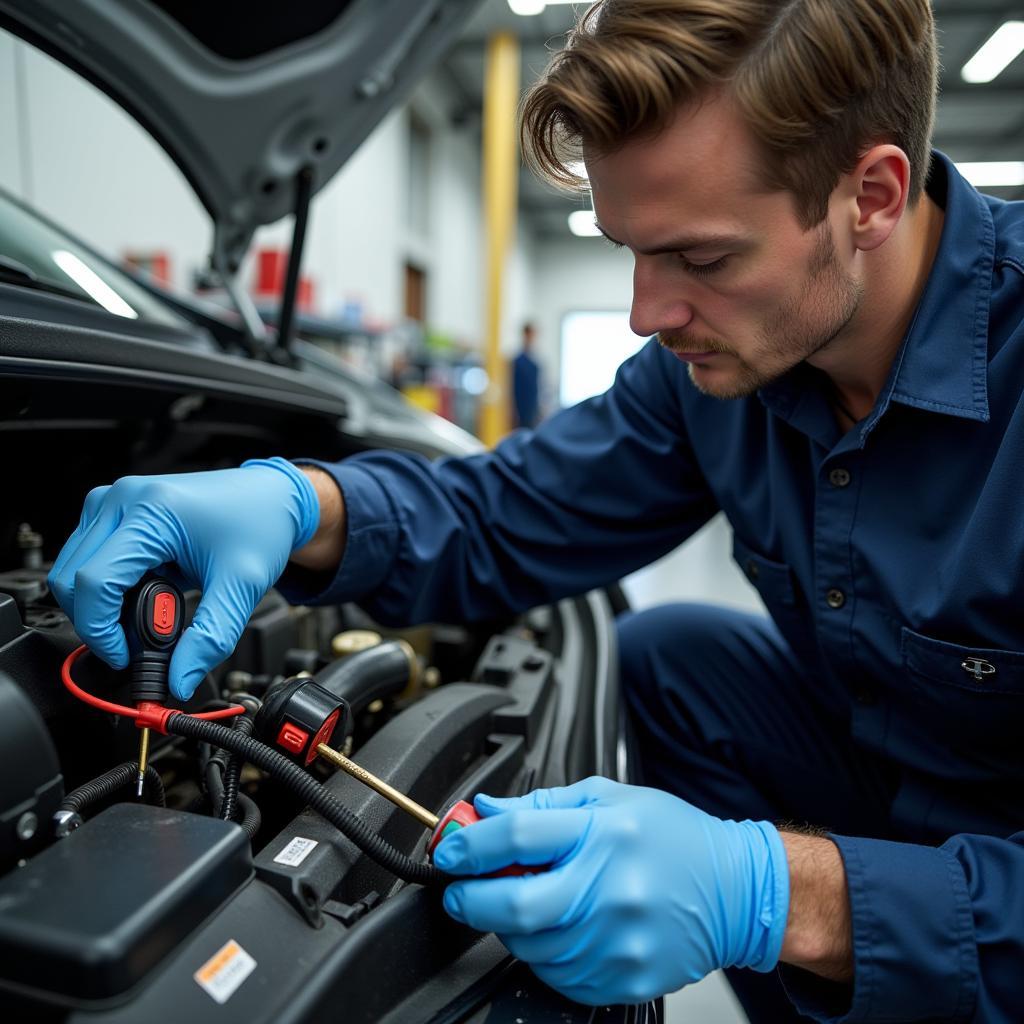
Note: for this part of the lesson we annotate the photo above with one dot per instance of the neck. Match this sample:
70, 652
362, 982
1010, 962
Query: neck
893, 278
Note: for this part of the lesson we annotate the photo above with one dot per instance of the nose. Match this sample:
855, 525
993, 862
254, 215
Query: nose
657, 303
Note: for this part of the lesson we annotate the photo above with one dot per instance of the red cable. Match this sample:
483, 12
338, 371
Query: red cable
139, 713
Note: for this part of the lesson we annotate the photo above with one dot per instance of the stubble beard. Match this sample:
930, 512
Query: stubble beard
793, 333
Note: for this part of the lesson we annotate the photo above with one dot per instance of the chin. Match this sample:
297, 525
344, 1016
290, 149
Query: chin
725, 386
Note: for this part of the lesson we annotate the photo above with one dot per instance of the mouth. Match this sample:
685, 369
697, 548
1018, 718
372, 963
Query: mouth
694, 357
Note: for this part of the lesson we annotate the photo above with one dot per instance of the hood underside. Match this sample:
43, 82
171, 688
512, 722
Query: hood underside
244, 97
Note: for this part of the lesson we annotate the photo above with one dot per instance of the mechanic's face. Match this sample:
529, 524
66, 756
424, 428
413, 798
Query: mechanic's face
724, 273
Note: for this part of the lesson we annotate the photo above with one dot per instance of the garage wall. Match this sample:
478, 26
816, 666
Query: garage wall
575, 274
95, 171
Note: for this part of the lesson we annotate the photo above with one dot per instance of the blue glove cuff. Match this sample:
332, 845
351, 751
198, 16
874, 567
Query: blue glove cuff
307, 510
772, 896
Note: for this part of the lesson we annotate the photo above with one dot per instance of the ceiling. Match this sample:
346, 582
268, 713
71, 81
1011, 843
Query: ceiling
975, 122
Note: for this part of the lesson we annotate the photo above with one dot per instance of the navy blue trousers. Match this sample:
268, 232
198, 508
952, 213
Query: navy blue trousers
724, 716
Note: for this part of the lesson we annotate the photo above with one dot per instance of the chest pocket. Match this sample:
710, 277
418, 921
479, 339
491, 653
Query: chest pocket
971, 695
772, 580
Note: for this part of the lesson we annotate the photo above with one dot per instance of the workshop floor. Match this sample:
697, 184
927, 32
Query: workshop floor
701, 570
708, 1002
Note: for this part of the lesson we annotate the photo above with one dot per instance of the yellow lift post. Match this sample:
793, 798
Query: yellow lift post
500, 181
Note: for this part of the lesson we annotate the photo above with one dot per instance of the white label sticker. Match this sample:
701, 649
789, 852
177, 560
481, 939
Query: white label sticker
221, 975
295, 852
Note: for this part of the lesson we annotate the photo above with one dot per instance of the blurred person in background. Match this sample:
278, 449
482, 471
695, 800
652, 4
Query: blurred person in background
526, 382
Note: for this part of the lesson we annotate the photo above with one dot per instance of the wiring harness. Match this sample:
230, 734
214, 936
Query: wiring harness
205, 729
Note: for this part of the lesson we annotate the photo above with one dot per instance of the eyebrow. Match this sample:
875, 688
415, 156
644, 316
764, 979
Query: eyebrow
685, 244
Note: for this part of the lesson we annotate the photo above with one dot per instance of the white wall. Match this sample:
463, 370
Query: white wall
575, 274
353, 243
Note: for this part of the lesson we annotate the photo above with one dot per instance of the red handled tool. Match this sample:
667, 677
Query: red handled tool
458, 816
153, 617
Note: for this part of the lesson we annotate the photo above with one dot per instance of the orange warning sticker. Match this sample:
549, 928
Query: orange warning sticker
221, 975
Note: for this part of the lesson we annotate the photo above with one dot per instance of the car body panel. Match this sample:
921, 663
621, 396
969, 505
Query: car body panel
242, 128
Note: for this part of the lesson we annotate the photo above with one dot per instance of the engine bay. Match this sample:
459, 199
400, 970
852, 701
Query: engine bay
223, 892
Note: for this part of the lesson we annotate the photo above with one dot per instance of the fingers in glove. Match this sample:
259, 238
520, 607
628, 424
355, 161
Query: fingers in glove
517, 837
558, 797
516, 905
97, 522
117, 564
225, 608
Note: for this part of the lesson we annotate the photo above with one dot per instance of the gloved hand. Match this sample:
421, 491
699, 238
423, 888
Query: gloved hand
229, 532
645, 892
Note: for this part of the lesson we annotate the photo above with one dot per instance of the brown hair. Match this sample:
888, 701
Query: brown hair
818, 82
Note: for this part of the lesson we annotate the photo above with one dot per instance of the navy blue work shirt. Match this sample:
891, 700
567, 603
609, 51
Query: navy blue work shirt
890, 556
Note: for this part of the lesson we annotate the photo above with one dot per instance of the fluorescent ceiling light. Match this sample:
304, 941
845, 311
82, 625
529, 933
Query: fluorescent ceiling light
91, 283
1001, 50
528, 7
582, 224
1008, 173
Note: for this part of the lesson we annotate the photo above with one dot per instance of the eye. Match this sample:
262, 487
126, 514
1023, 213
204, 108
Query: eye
703, 269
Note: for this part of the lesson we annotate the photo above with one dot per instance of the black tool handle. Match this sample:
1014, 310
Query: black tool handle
153, 619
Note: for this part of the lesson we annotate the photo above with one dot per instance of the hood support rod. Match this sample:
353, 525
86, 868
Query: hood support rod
286, 316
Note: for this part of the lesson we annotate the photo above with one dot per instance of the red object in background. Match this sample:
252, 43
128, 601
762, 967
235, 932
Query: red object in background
271, 267
446, 402
156, 265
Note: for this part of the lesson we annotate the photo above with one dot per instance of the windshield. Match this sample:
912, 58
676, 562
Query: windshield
36, 255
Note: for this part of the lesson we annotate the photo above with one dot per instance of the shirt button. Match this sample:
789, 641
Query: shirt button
865, 696
752, 570
835, 598
839, 478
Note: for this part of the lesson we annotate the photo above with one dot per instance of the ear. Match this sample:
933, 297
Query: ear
880, 187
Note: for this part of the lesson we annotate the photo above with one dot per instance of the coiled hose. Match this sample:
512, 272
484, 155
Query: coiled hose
107, 784
310, 792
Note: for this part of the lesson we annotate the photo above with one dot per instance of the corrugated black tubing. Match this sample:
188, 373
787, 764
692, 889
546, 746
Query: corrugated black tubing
307, 789
251, 817
242, 726
107, 784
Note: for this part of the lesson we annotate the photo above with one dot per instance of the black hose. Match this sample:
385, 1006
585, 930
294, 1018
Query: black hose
310, 792
233, 771
107, 784
373, 674
251, 817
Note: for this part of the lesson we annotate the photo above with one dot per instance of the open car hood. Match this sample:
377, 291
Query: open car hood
243, 97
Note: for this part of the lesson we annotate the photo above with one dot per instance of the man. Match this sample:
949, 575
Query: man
526, 383
839, 367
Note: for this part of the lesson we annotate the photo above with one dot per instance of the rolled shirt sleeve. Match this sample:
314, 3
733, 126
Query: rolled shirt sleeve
938, 934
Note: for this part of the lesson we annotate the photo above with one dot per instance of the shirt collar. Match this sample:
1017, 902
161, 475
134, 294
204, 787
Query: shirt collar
942, 365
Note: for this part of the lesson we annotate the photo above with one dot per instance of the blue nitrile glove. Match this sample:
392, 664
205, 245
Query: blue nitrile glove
229, 532
645, 893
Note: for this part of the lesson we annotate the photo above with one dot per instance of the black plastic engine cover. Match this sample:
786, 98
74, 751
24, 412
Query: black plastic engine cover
89, 918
